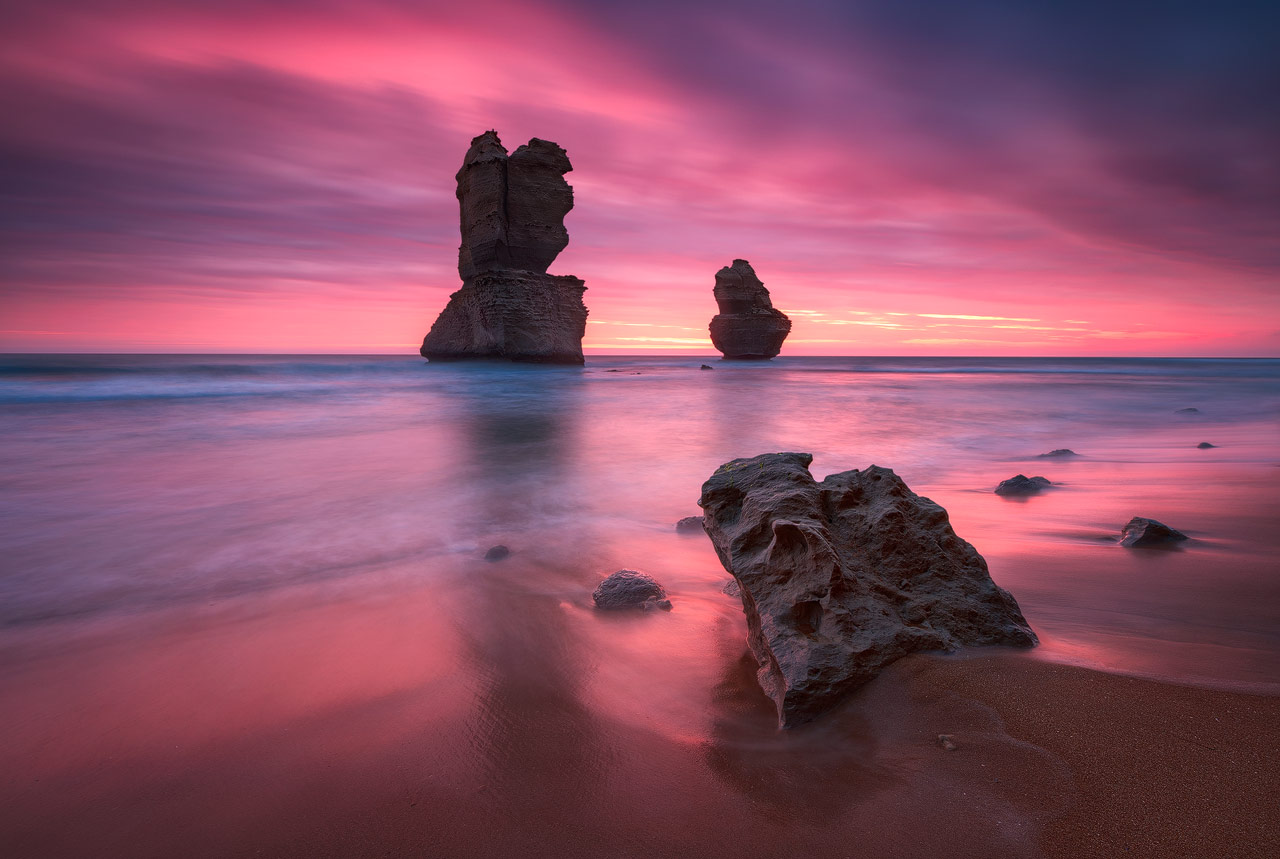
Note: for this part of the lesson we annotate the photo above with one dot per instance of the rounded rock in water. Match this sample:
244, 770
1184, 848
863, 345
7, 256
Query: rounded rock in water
627, 589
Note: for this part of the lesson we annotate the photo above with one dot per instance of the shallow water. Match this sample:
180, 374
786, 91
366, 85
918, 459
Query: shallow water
210, 552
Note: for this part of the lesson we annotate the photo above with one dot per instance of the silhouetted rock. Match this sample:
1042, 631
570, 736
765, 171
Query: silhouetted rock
1204, 445
690, 525
496, 553
627, 589
512, 220
706, 367
747, 326
1188, 411
1022, 485
841, 578
1148, 533
1062, 452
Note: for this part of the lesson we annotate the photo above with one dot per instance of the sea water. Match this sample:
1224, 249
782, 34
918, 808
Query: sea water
198, 551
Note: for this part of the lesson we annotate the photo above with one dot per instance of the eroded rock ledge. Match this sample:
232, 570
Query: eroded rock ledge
841, 578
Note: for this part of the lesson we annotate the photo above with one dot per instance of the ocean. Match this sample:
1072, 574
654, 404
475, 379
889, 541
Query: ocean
208, 551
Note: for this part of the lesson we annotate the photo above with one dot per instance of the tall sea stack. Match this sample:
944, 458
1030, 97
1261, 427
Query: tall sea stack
747, 326
512, 219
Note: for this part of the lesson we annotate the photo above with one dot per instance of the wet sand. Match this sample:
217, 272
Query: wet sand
1157, 769
264, 737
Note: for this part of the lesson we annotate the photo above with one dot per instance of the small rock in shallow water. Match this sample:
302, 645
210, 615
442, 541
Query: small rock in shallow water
706, 367
689, 525
496, 553
1062, 451
1022, 485
627, 589
947, 742
1188, 411
1204, 445
1143, 533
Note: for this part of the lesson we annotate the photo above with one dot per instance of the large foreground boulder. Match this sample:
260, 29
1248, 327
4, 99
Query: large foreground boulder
747, 326
511, 215
841, 578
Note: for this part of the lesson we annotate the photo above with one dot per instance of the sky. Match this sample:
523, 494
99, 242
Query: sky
997, 177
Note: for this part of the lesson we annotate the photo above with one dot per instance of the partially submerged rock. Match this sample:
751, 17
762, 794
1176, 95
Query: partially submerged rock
1204, 445
1191, 410
512, 213
841, 578
747, 326
629, 589
1060, 452
1148, 533
690, 525
706, 367
1022, 485
496, 553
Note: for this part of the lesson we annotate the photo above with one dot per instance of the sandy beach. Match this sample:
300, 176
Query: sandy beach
225, 738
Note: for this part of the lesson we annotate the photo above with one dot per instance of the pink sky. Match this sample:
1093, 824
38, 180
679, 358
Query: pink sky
278, 177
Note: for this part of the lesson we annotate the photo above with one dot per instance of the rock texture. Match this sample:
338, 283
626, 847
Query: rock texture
1022, 485
629, 589
747, 326
690, 525
841, 578
1142, 533
512, 211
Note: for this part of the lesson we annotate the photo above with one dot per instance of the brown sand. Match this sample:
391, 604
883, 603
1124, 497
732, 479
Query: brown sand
1159, 770
171, 747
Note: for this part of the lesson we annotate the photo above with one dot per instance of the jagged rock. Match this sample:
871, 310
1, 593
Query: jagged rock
732, 588
1022, 485
747, 325
496, 553
1060, 452
1204, 445
628, 589
1142, 533
690, 525
512, 221
841, 578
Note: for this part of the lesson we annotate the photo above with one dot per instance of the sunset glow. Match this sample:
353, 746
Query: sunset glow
277, 177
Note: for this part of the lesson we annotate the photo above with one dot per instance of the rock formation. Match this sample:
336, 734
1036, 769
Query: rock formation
690, 525
1060, 452
1022, 485
1142, 533
1204, 445
629, 589
747, 325
842, 577
512, 221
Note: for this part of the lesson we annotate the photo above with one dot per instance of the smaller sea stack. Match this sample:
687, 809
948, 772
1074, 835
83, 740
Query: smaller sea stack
747, 326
